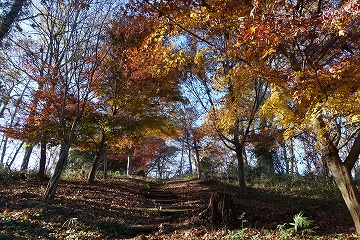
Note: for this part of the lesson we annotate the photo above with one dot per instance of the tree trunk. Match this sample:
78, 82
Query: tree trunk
105, 162
9, 164
99, 155
241, 167
55, 178
10, 18
181, 162
293, 164
198, 163
25, 162
348, 190
325, 168
42, 163
4, 146
286, 159
190, 162
129, 168
341, 171
159, 168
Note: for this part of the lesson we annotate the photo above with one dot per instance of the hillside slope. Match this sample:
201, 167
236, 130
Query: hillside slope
147, 209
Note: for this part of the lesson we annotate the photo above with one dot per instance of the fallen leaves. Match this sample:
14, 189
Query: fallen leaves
110, 209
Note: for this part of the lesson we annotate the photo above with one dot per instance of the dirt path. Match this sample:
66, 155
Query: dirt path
167, 206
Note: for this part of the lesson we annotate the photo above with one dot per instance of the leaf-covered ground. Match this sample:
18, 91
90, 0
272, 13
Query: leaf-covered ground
127, 208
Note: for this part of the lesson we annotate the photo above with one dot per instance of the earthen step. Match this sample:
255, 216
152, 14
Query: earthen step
163, 210
164, 201
182, 207
160, 196
143, 228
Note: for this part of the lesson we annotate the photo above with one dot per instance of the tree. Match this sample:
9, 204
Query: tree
310, 62
65, 59
134, 101
14, 90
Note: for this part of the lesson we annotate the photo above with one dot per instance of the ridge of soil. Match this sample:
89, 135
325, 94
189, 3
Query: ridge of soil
126, 208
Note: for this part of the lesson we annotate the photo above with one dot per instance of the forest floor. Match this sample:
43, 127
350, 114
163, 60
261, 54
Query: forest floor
139, 208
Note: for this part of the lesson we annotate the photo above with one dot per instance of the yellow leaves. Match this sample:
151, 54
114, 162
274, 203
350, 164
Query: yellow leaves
268, 52
355, 118
341, 33
277, 107
193, 14
199, 58
163, 60
199, 61
288, 133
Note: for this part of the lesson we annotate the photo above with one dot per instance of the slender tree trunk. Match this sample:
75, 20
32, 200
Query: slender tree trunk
9, 164
55, 178
286, 159
1, 145
190, 162
198, 162
3, 152
99, 155
160, 172
181, 162
42, 163
129, 168
25, 162
92, 173
292, 158
241, 168
105, 162
10, 18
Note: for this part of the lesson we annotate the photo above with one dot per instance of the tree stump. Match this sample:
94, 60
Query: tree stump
141, 173
221, 210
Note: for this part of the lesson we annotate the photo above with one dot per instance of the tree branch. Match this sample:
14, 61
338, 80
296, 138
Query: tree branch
354, 153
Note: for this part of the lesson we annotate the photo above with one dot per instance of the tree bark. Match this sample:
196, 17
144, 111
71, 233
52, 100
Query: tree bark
197, 156
99, 155
25, 162
345, 183
348, 189
129, 168
181, 162
189, 158
221, 210
10, 18
241, 167
159, 168
293, 167
42, 163
4, 146
105, 162
286, 159
341, 171
9, 164
55, 178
